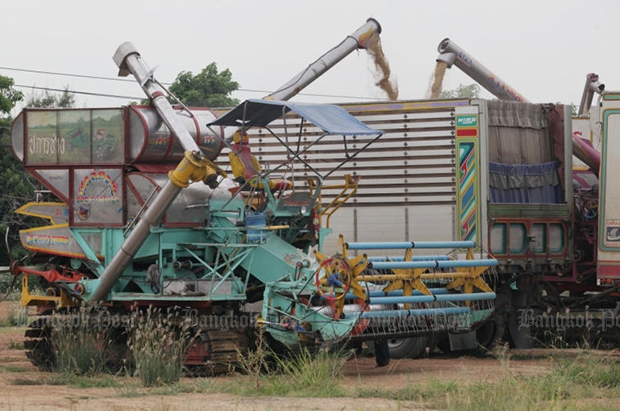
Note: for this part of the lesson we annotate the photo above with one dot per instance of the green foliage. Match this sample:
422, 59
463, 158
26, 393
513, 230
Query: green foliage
209, 88
431, 391
8, 95
16, 345
49, 100
312, 374
17, 188
15, 185
462, 91
574, 110
300, 374
566, 385
95, 381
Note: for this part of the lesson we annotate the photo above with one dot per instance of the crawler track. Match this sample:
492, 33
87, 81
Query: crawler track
214, 350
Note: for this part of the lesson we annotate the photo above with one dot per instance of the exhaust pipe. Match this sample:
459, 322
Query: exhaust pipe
450, 54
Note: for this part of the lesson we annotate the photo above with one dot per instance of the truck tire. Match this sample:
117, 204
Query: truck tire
413, 347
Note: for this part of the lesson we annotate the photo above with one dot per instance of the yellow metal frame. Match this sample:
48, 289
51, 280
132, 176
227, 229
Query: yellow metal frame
410, 279
348, 189
61, 301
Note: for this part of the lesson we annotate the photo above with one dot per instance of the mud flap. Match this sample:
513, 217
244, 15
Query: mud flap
463, 341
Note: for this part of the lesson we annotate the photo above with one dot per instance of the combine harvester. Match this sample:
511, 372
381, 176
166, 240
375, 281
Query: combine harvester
148, 218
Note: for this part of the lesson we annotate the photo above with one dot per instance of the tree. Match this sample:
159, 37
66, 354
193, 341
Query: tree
209, 88
47, 100
8, 95
470, 91
14, 184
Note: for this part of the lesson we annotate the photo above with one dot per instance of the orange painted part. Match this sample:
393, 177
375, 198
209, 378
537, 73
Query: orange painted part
52, 275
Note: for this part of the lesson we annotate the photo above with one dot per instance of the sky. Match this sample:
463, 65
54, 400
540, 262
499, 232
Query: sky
542, 48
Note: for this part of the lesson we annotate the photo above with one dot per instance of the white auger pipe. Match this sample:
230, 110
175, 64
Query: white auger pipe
450, 53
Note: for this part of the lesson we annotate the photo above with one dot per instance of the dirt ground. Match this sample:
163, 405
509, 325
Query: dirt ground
41, 394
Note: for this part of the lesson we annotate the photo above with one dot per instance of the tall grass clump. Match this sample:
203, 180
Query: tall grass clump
158, 344
309, 373
282, 372
78, 347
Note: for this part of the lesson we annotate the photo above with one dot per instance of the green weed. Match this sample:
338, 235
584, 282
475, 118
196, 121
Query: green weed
15, 345
12, 368
298, 374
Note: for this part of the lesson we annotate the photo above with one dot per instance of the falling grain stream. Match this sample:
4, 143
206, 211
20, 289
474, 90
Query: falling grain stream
382, 71
440, 70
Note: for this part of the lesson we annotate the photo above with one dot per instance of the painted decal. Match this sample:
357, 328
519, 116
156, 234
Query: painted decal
467, 121
97, 187
467, 173
612, 233
46, 239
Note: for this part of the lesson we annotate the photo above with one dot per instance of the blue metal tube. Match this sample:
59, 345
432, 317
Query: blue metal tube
410, 313
389, 265
431, 298
399, 293
415, 258
491, 262
396, 293
410, 244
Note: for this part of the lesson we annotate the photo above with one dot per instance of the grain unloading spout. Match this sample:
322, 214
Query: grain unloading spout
364, 38
582, 147
193, 168
451, 54
592, 86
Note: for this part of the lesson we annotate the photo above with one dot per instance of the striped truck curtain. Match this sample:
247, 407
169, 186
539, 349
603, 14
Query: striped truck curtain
524, 183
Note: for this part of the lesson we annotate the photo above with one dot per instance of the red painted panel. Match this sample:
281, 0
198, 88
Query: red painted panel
467, 132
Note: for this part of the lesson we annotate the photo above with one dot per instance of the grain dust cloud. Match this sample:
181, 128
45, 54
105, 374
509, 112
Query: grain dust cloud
382, 71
